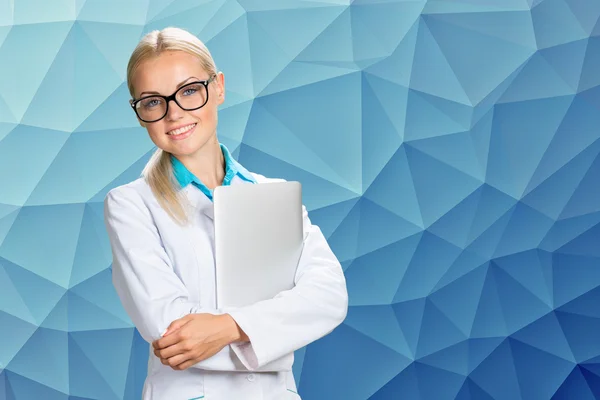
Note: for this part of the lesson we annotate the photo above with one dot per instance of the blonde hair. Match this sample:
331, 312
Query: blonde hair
158, 172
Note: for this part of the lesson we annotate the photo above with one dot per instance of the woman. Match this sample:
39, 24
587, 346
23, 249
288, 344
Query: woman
161, 233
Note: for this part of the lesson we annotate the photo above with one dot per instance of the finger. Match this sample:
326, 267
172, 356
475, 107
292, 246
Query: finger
178, 323
167, 341
176, 361
155, 342
185, 365
189, 360
167, 352
170, 340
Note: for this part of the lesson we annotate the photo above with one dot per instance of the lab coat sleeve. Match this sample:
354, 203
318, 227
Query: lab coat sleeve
151, 293
294, 318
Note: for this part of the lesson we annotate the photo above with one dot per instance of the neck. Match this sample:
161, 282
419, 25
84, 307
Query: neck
207, 164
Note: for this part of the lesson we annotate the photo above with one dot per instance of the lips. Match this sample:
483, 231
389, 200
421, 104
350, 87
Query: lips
181, 129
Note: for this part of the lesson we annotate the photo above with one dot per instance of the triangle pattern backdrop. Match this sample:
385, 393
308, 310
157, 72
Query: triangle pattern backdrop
449, 150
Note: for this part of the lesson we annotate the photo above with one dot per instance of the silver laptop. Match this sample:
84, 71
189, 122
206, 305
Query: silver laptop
258, 240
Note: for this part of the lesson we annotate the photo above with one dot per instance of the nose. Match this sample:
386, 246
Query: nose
174, 112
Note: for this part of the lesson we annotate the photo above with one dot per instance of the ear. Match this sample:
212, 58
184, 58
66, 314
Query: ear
220, 80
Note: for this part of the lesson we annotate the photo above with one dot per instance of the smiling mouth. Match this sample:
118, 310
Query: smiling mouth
182, 130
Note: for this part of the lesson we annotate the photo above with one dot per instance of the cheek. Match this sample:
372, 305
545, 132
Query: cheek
207, 115
156, 132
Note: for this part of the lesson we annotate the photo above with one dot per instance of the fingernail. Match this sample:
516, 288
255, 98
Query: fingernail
165, 331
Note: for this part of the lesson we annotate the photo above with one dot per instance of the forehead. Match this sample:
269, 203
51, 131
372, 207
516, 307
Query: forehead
165, 71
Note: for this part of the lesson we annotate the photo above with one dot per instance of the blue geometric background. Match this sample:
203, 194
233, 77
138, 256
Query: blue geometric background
448, 149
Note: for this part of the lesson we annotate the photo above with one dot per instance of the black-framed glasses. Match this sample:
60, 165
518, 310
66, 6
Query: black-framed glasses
189, 97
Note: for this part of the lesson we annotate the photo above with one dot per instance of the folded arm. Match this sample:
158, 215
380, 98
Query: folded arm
296, 317
149, 289
153, 295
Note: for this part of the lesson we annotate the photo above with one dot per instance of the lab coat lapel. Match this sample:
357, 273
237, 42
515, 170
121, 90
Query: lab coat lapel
200, 235
200, 202
203, 204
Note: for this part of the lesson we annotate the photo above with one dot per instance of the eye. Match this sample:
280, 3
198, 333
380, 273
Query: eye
190, 91
151, 102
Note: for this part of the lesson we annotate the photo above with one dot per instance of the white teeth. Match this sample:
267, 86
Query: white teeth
181, 130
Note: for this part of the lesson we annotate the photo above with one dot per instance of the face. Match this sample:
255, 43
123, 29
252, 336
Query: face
165, 74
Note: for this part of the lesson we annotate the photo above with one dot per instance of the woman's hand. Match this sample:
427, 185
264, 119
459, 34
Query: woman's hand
196, 337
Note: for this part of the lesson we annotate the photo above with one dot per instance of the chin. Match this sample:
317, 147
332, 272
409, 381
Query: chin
188, 149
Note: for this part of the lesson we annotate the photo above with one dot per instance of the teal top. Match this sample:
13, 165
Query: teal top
232, 169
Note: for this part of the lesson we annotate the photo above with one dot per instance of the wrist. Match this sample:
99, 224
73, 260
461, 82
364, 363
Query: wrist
234, 332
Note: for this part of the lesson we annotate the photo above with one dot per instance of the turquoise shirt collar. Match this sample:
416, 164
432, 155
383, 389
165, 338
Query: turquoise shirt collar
232, 169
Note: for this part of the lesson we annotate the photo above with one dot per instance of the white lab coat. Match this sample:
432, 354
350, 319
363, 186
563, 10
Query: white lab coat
162, 271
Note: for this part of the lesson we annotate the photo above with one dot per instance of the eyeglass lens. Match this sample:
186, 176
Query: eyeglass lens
189, 97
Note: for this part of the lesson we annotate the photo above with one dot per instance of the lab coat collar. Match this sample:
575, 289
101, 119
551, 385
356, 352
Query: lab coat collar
232, 169
201, 203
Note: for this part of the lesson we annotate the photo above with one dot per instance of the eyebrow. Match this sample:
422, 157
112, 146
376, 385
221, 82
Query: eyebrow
178, 86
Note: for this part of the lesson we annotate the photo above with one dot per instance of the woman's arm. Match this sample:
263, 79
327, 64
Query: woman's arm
294, 318
143, 276
151, 293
